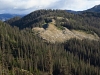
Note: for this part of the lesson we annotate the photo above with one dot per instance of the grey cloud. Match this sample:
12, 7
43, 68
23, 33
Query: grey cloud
27, 6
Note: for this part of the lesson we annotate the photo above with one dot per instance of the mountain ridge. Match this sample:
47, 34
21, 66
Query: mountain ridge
59, 20
95, 9
6, 16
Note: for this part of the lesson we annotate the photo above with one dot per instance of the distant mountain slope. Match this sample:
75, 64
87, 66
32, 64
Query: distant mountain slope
4, 17
94, 9
74, 12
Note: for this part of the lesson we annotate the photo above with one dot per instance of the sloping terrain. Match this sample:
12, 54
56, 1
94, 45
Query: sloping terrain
52, 34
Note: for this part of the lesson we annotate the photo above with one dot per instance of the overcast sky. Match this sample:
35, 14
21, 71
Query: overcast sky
27, 6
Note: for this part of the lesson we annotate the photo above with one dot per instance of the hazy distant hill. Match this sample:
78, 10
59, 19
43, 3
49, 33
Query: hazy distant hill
4, 17
72, 11
94, 9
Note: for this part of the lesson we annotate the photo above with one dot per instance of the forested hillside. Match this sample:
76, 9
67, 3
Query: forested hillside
87, 21
22, 52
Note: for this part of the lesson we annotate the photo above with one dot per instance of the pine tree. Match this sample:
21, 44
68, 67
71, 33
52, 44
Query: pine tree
49, 63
